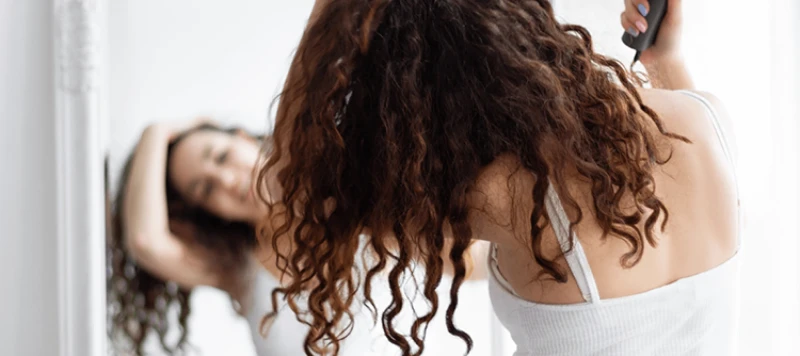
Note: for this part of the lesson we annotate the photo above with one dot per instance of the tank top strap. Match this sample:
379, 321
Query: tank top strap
576, 257
724, 142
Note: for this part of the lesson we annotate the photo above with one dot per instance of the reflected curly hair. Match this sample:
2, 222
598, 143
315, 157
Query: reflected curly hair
392, 110
138, 301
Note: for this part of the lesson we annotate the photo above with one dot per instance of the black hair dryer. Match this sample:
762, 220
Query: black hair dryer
658, 8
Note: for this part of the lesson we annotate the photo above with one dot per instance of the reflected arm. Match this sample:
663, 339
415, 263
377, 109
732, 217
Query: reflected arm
146, 227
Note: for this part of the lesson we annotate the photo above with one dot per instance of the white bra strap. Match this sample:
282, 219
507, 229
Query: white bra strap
576, 258
726, 149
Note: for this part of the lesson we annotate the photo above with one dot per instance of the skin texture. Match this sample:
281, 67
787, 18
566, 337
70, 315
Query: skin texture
454, 118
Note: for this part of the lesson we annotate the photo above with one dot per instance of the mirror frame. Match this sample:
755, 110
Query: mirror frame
78, 30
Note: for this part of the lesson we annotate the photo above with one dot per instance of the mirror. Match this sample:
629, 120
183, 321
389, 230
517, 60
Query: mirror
170, 63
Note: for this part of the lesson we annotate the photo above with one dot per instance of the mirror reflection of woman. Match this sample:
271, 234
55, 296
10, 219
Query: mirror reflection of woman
186, 213
612, 208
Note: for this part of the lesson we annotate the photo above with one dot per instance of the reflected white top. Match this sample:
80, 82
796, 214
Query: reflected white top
285, 335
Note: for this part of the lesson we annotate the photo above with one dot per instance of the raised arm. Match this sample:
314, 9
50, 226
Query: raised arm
664, 60
146, 224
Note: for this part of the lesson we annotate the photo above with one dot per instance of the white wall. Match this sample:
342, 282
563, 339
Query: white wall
28, 301
178, 59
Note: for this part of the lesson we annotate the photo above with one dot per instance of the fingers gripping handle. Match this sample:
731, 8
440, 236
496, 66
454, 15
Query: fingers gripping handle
658, 8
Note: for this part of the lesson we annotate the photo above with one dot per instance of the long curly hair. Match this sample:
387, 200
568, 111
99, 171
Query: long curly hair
392, 110
139, 302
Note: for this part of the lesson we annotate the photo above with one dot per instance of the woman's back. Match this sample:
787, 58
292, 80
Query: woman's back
679, 298
698, 189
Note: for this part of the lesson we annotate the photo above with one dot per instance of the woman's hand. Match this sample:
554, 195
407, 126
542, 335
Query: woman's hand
173, 129
667, 47
664, 59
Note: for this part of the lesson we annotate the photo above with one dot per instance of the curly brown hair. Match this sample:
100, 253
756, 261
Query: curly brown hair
138, 300
391, 111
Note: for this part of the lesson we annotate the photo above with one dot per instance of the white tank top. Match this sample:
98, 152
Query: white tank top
695, 315
285, 336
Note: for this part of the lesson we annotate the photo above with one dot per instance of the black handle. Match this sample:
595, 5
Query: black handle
658, 8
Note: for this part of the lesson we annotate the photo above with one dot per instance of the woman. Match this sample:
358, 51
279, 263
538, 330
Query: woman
185, 213
611, 208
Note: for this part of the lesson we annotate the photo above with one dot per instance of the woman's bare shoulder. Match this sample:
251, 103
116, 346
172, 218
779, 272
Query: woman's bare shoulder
682, 113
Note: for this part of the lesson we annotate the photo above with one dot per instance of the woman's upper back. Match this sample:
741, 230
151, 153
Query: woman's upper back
697, 187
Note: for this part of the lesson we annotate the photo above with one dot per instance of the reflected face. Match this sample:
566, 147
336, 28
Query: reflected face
213, 170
